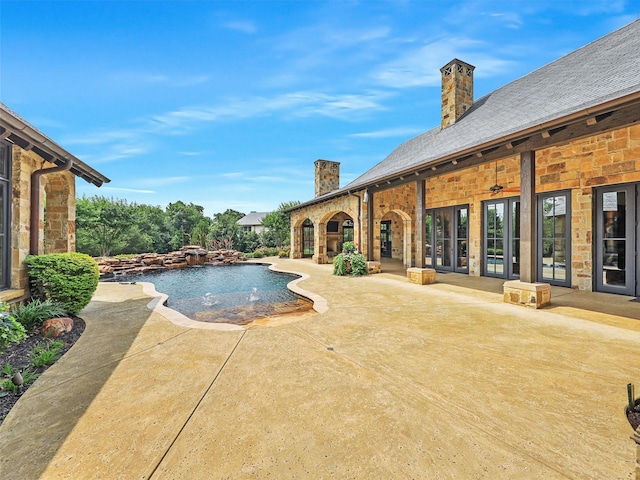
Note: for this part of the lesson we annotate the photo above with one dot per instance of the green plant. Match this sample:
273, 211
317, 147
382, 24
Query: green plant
284, 253
8, 370
46, 353
350, 261
257, 254
10, 330
349, 247
66, 278
358, 265
340, 265
32, 314
28, 376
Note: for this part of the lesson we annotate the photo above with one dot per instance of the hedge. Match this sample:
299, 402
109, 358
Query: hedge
65, 278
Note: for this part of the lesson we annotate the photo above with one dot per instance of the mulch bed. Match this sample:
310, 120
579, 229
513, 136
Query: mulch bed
634, 416
18, 356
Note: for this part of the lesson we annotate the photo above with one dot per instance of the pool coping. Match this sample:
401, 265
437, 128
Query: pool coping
157, 304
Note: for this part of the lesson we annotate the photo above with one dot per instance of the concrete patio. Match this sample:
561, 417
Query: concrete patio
391, 380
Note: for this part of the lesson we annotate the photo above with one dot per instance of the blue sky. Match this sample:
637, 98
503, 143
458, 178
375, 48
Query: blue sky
228, 104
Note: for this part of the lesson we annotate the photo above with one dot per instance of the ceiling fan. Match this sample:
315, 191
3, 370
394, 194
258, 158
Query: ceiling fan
497, 188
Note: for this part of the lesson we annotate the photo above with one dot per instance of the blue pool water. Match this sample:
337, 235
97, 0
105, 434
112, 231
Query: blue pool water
230, 293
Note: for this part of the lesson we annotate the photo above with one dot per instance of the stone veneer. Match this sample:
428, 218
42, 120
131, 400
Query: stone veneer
58, 193
578, 166
327, 176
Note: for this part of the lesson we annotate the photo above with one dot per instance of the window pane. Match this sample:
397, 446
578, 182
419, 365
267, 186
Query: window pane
462, 223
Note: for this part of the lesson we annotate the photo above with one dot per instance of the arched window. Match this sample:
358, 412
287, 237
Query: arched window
307, 238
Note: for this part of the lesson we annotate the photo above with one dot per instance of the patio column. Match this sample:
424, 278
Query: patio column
526, 291
527, 217
370, 227
420, 235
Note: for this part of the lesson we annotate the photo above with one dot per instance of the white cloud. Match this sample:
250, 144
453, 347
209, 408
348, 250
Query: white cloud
390, 133
151, 182
511, 19
144, 79
421, 66
128, 190
244, 26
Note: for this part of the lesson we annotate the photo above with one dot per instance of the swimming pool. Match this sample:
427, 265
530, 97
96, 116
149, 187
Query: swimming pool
237, 294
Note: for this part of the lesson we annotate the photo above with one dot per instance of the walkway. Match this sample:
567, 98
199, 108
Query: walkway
393, 380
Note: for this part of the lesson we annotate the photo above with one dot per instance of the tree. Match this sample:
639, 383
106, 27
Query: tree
278, 225
101, 225
181, 220
225, 226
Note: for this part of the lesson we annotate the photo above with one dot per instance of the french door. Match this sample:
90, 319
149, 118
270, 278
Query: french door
554, 239
616, 239
447, 237
501, 238
385, 238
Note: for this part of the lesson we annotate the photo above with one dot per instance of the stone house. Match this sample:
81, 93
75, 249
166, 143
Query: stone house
535, 182
252, 222
37, 199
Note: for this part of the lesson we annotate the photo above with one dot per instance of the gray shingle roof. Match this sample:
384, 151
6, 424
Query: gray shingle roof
253, 218
604, 70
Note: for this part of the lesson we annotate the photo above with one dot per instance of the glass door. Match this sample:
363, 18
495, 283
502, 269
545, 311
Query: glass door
385, 238
447, 237
501, 238
554, 227
616, 239
443, 233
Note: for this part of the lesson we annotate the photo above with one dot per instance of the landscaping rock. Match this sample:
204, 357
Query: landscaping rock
55, 327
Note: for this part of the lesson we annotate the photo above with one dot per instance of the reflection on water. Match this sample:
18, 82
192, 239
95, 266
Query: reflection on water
236, 294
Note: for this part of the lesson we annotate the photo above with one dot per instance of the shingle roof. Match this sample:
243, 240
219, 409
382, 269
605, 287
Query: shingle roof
253, 218
604, 70
18, 130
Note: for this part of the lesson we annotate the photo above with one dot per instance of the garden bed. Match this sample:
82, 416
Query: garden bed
19, 357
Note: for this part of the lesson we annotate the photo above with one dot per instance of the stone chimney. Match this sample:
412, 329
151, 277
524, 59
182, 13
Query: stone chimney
327, 176
457, 90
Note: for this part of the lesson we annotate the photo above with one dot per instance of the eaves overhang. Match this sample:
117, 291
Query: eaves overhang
618, 113
19, 132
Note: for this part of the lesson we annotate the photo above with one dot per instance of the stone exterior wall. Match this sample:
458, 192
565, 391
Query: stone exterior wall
457, 90
57, 193
471, 186
327, 176
320, 214
579, 166
398, 205
605, 159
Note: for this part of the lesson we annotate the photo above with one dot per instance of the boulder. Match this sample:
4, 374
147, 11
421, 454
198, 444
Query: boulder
55, 327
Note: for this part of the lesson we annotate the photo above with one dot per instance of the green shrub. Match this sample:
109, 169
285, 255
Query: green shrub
340, 265
358, 265
257, 254
10, 330
349, 247
353, 264
68, 279
46, 353
32, 314
284, 253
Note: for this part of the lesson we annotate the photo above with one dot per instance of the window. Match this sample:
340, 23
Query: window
447, 237
307, 238
347, 231
501, 238
5, 220
554, 226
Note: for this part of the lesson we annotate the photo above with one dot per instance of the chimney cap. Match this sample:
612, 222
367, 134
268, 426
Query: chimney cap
457, 61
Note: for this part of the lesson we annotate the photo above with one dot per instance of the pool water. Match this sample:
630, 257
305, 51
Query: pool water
237, 294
